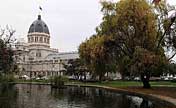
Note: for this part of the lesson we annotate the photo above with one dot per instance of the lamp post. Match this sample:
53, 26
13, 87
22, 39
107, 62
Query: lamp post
30, 68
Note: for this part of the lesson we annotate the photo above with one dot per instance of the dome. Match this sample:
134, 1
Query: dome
39, 26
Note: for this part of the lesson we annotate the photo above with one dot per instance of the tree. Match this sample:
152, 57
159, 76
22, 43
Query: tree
76, 68
171, 69
6, 52
95, 55
134, 38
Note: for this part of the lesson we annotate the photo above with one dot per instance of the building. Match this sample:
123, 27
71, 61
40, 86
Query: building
35, 58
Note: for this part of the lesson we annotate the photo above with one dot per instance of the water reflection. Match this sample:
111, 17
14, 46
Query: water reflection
40, 96
8, 94
98, 98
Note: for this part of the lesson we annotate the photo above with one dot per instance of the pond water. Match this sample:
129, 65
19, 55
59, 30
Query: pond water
42, 96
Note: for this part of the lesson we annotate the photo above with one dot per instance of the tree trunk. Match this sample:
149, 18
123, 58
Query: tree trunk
100, 78
84, 76
145, 79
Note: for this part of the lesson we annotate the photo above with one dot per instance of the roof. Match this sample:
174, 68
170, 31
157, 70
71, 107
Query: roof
39, 26
63, 56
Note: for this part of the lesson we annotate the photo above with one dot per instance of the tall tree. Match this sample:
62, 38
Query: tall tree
134, 38
6, 52
135, 34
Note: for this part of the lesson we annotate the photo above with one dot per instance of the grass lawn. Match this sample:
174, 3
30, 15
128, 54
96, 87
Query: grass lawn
132, 83
163, 83
119, 83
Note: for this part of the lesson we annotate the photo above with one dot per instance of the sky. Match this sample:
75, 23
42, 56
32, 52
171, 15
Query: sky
70, 21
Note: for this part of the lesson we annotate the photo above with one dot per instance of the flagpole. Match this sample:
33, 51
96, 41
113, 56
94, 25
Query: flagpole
40, 10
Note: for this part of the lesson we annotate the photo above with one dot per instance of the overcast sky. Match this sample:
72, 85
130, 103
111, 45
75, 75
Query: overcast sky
70, 21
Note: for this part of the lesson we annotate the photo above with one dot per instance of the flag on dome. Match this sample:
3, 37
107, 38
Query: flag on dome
40, 8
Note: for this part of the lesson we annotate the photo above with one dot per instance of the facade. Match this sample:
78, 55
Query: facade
35, 58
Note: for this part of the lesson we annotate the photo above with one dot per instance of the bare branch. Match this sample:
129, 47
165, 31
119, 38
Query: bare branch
162, 37
172, 56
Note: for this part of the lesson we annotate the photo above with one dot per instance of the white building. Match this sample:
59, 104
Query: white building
36, 58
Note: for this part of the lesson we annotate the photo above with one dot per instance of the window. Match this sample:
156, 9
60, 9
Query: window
38, 54
31, 58
36, 39
41, 39
32, 39
48, 41
29, 40
45, 40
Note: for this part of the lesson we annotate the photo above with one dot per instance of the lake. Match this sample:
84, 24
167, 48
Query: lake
43, 96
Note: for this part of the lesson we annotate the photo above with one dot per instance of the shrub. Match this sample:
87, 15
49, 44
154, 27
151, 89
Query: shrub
7, 78
58, 81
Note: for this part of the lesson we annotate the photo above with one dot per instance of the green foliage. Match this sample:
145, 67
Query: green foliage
171, 69
6, 52
58, 81
6, 57
131, 38
96, 56
7, 78
145, 60
76, 68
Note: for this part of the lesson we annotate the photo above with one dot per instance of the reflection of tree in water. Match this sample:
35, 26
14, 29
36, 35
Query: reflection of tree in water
145, 104
137, 102
8, 95
99, 98
57, 93
34, 96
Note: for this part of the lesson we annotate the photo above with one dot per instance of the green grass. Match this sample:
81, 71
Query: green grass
114, 83
163, 83
35, 81
119, 83
130, 83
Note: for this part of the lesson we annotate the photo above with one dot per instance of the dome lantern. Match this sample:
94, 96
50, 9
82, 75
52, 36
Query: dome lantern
39, 26
39, 17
